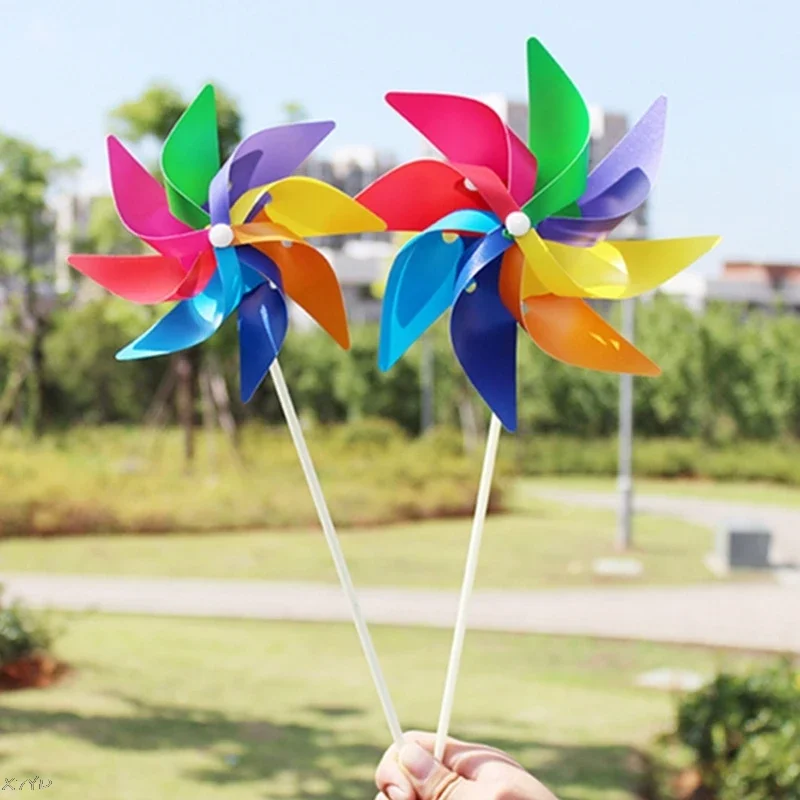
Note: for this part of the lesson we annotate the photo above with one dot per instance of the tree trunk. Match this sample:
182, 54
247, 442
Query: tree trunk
184, 400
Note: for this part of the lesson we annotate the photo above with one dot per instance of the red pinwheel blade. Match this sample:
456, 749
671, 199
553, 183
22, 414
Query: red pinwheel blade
148, 280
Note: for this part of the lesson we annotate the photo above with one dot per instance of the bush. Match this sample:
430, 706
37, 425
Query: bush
108, 480
22, 633
729, 724
767, 767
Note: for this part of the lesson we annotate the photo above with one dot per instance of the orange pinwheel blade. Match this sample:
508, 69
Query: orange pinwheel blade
567, 329
310, 281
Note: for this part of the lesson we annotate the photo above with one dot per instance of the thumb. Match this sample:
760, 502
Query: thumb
431, 779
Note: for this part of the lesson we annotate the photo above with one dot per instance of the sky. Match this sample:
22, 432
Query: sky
731, 71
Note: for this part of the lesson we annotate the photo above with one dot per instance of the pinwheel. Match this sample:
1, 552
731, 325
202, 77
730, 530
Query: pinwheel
516, 236
512, 235
232, 238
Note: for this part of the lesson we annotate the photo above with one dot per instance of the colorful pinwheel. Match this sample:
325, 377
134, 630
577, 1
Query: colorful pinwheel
232, 238
228, 238
511, 235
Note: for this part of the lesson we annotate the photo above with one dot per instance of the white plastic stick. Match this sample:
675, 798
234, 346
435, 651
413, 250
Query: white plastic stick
336, 551
473, 554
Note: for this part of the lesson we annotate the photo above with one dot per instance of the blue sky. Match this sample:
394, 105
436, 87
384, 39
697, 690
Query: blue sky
731, 72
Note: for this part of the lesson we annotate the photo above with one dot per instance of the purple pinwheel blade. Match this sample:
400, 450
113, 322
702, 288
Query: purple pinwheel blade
484, 337
601, 215
273, 154
263, 322
640, 149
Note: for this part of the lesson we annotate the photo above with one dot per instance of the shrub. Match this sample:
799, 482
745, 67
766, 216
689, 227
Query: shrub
724, 722
767, 767
22, 633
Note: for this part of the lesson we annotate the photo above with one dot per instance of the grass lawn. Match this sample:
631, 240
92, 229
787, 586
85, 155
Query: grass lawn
760, 493
537, 545
165, 708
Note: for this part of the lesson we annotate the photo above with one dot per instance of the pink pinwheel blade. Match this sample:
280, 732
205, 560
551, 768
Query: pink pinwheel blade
522, 169
140, 279
198, 276
464, 130
142, 206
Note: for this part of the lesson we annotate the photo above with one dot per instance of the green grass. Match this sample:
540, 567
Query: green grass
163, 708
539, 545
759, 493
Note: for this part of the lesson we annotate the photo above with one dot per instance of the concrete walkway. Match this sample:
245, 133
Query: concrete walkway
783, 522
748, 616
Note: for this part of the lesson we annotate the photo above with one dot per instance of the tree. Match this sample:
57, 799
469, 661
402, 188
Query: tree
27, 173
149, 119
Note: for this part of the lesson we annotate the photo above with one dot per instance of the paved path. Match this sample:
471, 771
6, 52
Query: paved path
765, 617
783, 522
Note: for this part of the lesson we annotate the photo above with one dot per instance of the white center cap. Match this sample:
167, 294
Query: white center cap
517, 223
220, 235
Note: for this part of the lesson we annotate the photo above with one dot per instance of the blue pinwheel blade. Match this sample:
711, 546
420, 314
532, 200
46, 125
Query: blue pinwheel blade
479, 256
484, 337
263, 322
189, 323
419, 290
420, 284
254, 261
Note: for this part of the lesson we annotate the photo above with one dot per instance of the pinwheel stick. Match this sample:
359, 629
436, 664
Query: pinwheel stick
339, 561
473, 555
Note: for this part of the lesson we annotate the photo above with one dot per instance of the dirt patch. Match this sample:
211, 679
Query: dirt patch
32, 672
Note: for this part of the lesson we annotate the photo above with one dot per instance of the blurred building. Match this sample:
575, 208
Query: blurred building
753, 285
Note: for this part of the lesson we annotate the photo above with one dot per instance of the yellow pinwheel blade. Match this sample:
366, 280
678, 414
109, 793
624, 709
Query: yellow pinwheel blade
650, 263
543, 273
310, 207
600, 271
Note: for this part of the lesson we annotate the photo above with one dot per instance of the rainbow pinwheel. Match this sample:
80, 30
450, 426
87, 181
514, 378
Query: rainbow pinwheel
511, 235
228, 238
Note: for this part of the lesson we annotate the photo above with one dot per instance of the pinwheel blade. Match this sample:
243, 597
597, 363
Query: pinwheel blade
490, 188
640, 149
190, 159
188, 324
601, 215
262, 323
198, 276
568, 330
147, 280
558, 134
413, 196
309, 280
418, 291
272, 154
484, 336
462, 129
650, 263
522, 169
142, 207
310, 207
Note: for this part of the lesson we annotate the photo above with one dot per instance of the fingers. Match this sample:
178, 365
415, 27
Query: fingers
432, 780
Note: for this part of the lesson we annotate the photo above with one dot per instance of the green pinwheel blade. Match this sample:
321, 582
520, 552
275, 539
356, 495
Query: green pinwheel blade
559, 133
190, 159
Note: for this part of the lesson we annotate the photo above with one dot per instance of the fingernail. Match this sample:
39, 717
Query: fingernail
396, 793
418, 761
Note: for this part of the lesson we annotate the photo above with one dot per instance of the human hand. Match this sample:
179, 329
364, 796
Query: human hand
467, 772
